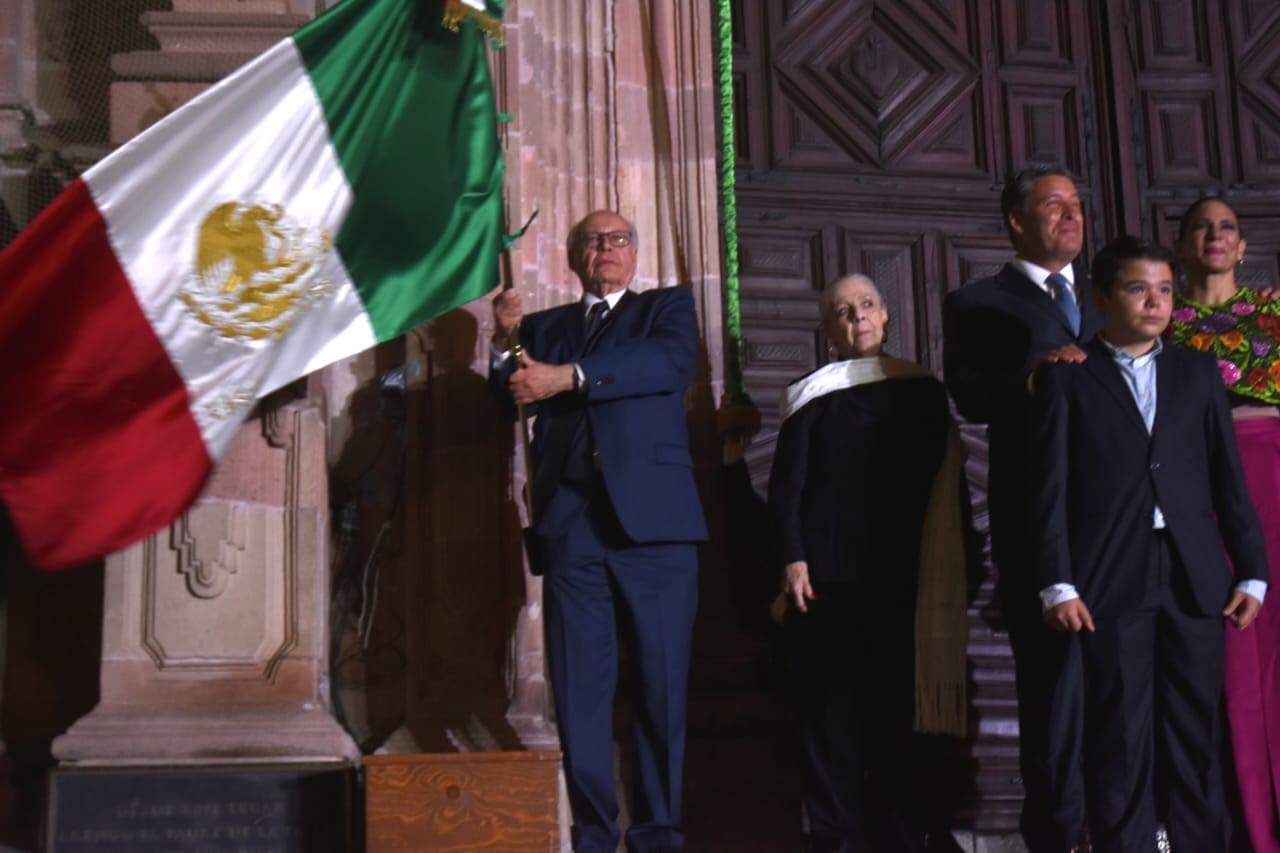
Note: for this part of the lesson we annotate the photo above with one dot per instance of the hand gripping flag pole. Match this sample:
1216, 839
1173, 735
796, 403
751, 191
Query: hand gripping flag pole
517, 351
532, 546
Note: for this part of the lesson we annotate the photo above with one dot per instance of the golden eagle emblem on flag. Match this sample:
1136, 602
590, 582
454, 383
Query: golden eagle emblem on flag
255, 270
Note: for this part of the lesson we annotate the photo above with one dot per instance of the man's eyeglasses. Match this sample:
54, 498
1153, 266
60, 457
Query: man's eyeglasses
597, 239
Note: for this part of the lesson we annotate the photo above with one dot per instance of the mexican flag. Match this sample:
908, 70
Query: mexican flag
340, 189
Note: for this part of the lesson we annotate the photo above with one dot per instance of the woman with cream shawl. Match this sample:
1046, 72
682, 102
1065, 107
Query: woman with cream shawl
865, 491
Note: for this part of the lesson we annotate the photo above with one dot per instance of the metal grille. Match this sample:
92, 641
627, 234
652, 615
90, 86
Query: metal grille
55, 85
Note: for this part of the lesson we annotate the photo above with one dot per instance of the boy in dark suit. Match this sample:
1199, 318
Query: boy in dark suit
1138, 486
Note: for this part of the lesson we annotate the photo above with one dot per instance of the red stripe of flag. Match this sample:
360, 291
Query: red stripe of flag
98, 447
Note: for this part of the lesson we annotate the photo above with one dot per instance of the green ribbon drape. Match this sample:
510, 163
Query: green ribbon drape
728, 205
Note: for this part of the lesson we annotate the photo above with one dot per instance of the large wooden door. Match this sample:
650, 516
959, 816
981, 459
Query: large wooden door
1197, 91
874, 137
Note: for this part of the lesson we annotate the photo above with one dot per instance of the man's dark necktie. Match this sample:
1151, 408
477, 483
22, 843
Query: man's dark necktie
595, 317
1065, 300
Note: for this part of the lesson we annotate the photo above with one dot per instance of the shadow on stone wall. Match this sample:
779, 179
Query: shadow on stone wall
428, 573
367, 624
467, 577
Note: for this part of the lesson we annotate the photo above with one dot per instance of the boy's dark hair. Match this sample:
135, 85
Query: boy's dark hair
1017, 189
1124, 250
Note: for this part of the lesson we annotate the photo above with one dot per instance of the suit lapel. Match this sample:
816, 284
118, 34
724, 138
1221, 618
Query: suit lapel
570, 327
1015, 282
1168, 388
1102, 366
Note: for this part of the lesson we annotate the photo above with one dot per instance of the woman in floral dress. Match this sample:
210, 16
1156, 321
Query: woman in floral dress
1241, 327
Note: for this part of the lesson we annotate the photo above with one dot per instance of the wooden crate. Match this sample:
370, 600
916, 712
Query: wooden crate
463, 801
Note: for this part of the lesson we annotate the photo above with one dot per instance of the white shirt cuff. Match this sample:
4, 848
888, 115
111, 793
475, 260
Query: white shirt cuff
1052, 596
1256, 589
582, 378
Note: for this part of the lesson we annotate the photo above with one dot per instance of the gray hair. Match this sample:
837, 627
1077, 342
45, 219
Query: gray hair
828, 295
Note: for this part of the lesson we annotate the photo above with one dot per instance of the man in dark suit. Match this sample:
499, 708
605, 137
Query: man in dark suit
996, 331
616, 515
1139, 485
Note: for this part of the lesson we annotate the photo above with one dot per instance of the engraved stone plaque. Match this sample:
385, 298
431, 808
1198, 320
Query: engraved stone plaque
279, 808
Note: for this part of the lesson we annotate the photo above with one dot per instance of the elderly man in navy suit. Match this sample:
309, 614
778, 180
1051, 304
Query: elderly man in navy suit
996, 331
1138, 490
616, 517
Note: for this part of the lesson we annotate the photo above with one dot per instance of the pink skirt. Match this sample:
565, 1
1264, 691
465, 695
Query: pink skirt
1252, 685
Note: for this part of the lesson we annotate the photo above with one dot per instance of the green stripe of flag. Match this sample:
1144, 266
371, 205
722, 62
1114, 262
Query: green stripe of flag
411, 114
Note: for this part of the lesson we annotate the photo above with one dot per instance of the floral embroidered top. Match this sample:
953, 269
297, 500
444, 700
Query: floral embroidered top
1244, 334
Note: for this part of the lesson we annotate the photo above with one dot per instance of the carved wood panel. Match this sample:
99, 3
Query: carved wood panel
1181, 140
1197, 87
872, 85
779, 266
1257, 67
1174, 37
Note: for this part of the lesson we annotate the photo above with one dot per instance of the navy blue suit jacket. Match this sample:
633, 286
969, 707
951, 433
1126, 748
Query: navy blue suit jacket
637, 368
1099, 476
995, 330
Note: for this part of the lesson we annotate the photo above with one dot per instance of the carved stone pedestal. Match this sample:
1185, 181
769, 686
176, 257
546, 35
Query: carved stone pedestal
200, 43
235, 735
214, 645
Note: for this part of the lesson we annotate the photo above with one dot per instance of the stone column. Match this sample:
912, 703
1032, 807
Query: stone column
215, 630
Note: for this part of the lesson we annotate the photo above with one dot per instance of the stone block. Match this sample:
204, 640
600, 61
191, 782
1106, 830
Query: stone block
237, 809
214, 632
271, 7
204, 32
135, 106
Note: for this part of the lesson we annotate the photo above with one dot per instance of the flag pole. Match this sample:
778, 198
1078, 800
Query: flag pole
516, 352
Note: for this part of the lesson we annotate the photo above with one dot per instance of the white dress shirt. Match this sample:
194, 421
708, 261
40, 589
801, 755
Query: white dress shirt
1039, 274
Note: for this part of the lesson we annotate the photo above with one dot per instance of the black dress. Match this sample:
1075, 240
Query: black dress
848, 491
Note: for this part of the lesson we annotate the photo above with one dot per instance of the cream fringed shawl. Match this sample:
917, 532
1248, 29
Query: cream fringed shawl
941, 621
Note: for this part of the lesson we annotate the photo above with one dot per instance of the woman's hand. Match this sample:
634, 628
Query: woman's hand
795, 583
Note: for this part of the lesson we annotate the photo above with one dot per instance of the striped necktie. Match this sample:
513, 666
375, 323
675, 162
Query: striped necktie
1060, 288
595, 317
